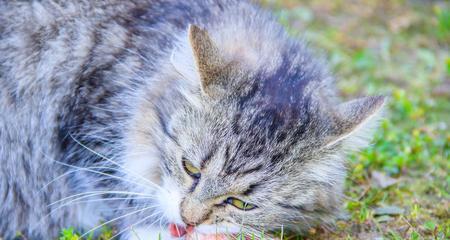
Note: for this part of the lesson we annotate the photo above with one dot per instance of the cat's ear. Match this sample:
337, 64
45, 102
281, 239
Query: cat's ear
355, 121
208, 59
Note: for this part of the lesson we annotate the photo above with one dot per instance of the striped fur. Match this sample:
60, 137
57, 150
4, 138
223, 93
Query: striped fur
109, 96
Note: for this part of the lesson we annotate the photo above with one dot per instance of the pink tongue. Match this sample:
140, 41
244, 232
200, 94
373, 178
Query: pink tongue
176, 230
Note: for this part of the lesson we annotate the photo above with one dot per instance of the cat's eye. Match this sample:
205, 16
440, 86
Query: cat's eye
240, 204
190, 169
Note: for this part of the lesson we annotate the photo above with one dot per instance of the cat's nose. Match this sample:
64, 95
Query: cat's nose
193, 211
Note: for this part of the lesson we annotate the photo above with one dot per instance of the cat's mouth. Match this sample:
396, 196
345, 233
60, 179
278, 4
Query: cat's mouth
179, 231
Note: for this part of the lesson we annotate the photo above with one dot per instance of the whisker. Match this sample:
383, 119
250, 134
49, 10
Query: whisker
77, 170
108, 209
99, 200
113, 162
57, 178
89, 194
134, 224
95, 193
114, 219
135, 233
98, 172
104, 174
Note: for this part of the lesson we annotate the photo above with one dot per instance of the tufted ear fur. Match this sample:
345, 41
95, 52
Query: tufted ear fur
210, 63
355, 120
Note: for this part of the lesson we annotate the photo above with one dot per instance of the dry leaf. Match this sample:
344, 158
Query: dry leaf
382, 180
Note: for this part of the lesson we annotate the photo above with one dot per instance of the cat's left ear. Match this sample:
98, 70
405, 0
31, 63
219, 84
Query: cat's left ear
355, 121
210, 63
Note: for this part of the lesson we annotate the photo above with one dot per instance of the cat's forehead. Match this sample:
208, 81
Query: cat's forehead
233, 156
251, 142
276, 101
257, 127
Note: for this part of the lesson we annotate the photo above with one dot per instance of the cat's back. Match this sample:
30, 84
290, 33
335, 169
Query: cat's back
57, 58
47, 49
51, 49
42, 39
45, 46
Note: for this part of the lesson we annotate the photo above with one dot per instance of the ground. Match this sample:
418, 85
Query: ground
399, 187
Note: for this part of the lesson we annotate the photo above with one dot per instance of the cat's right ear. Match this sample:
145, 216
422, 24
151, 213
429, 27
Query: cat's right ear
209, 62
355, 121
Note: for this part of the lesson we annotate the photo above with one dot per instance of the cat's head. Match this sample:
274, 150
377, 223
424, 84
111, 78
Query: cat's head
238, 142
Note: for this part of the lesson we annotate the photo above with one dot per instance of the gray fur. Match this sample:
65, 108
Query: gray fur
92, 92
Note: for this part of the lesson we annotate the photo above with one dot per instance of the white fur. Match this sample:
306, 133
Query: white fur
217, 228
168, 201
90, 214
182, 59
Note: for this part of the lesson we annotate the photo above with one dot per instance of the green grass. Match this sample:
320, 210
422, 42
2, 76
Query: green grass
401, 49
70, 234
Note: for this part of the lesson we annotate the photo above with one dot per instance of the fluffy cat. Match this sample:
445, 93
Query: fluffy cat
149, 114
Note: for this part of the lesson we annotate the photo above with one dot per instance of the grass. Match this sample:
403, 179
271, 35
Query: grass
399, 187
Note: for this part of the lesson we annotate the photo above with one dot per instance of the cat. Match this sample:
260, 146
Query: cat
150, 114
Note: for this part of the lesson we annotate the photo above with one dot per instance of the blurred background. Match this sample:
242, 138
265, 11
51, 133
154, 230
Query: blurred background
399, 187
